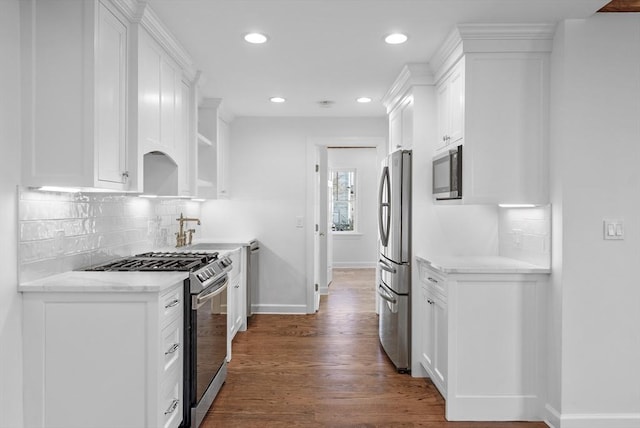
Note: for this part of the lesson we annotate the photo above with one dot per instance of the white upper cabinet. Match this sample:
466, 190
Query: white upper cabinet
75, 69
165, 107
405, 98
493, 98
213, 150
450, 98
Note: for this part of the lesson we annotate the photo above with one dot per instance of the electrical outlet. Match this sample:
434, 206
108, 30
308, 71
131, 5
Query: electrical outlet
613, 229
517, 237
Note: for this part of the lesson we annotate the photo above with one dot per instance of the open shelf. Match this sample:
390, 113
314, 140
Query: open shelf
204, 141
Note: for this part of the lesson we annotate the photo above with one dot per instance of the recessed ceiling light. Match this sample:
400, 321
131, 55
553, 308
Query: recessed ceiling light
395, 38
363, 100
277, 99
256, 38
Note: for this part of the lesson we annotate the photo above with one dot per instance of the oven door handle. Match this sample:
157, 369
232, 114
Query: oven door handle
201, 298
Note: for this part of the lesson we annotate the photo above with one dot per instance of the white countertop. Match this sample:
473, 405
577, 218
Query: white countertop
482, 264
81, 281
242, 241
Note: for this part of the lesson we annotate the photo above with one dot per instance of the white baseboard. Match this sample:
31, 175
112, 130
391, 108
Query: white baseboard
555, 419
279, 309
552, 416
354, 265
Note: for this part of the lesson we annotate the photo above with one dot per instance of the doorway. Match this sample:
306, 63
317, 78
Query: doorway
319, 222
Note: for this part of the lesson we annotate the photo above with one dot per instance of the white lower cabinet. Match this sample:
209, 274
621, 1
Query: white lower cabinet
236, 296
482, 342
103, 359
433, 349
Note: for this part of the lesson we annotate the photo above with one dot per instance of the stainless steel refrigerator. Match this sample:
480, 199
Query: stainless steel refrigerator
394, 285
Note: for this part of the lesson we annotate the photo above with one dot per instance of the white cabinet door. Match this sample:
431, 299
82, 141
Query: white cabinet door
395, 129
184, 142
426, 324
167, 104
111, 97
149, 58
75, 78
450, 101
223, 159
401, 125
439, 336
456, 105
407, 124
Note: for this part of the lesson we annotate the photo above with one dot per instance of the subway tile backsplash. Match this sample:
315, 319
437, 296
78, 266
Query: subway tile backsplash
525, 234
66, 231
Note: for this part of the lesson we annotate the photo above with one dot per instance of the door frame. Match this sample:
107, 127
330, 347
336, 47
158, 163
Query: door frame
313, 144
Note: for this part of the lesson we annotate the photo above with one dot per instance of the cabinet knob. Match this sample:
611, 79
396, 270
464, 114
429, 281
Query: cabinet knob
125, 176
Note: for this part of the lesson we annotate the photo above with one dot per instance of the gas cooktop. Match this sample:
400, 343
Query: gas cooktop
158, 261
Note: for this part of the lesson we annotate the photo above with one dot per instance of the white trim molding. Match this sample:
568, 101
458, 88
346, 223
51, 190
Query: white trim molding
410, 75
476, 38
279, 309
555, 419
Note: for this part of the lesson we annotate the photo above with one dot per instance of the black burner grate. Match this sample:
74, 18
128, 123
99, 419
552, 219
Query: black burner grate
158, 261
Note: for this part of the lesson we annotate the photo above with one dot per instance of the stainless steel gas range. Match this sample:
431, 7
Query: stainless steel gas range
205, 324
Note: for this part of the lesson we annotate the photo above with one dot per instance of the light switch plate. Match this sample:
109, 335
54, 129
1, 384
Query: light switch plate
613, 229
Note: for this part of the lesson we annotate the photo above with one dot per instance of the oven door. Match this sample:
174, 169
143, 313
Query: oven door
208, 347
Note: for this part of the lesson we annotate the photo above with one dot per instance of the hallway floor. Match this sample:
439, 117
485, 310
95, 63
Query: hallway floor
327, 370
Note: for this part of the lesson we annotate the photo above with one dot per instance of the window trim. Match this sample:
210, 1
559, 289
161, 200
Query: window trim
356, 205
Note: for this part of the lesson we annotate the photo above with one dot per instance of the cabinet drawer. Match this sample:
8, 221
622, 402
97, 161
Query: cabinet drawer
171, 306
434, 280
170, 405
172, 345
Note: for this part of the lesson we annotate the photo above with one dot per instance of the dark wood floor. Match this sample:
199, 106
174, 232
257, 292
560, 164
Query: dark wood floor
326, 370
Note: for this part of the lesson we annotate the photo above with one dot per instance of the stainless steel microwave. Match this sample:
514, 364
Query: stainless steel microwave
447, 175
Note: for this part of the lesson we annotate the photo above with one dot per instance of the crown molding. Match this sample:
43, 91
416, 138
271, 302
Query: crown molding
491, 38
410, 75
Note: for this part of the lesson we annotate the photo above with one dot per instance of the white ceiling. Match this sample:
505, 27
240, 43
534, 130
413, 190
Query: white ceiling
327, 49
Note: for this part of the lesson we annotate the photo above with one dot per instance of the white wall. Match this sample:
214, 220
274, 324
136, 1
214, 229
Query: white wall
10, 299
268, 191
595, 139
360, 249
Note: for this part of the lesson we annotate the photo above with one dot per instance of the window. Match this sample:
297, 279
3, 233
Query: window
343, 200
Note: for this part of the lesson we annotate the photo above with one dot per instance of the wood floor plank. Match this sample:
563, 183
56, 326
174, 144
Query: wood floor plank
327, 370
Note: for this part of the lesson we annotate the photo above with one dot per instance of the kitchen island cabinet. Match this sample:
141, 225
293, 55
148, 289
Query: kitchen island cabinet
482, 325
493, 98
76, 77
101, 350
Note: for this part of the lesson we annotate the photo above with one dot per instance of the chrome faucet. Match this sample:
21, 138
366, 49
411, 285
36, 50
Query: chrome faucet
181, 236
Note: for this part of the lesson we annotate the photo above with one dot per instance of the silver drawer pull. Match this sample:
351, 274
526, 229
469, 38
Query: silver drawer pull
433, 280
172, 407
173, 349
172, 304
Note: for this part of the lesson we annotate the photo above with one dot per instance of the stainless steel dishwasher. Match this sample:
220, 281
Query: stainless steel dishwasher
253, 279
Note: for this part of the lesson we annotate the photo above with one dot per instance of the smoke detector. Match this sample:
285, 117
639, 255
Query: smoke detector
326, 103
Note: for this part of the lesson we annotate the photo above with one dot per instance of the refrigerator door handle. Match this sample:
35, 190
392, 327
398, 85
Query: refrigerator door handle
386, 266
384, 208
383, 294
